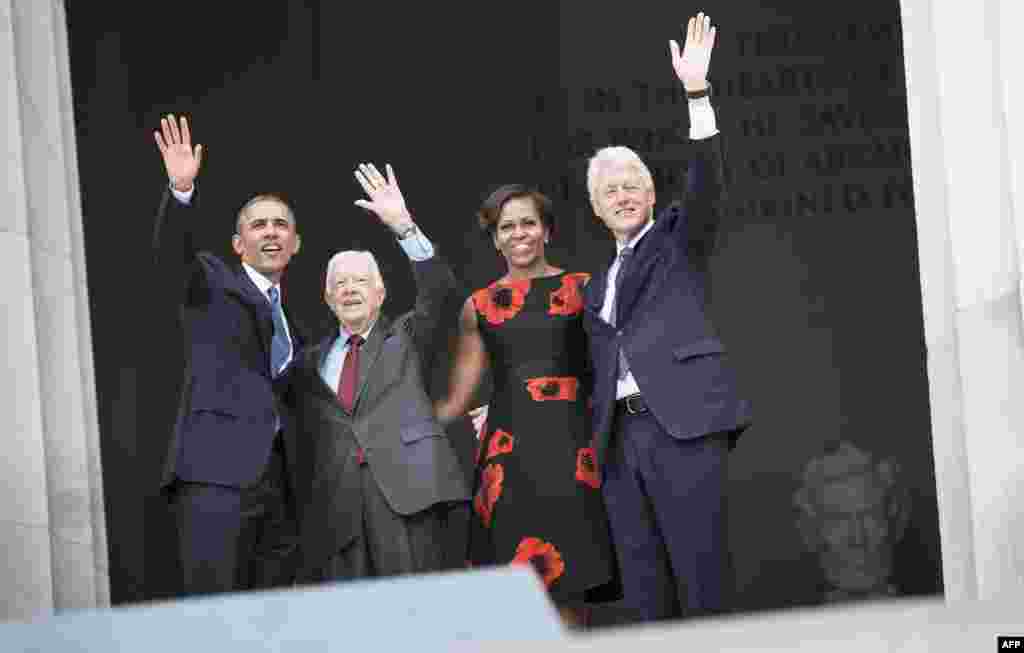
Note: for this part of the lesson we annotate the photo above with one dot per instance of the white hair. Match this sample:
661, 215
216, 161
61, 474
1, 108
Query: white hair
615, 155
349, 255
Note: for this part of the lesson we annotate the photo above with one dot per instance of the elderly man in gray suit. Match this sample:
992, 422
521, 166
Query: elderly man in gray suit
383, 473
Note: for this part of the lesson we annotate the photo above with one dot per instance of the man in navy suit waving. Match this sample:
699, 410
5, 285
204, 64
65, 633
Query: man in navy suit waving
665, 407
227, 470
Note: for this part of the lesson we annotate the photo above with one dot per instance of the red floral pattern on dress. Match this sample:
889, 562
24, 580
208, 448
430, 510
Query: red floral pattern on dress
490, 489
501, 442
586, 467
568, 299
543, 556
553, 388
502, 300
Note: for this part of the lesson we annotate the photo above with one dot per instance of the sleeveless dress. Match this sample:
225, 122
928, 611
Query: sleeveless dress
537, 496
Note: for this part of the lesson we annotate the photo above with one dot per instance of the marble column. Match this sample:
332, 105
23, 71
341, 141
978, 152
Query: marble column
51, 517
967, 154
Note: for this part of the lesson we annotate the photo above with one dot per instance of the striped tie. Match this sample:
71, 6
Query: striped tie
280, 345
625, 256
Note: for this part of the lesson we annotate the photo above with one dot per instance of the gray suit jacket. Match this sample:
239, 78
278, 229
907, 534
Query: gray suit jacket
408, 452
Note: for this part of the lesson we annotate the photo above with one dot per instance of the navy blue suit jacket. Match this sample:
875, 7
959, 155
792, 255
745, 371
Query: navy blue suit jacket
229, 403
676, 357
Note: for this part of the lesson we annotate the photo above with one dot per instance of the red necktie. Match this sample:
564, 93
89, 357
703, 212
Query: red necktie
350, 374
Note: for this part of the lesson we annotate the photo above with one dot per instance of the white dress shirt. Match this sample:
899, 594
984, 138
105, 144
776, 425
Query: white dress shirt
264, 284
702, 119
624, 386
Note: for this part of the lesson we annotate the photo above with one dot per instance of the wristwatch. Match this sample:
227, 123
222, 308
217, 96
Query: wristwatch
408, 231
172, 184
696, 95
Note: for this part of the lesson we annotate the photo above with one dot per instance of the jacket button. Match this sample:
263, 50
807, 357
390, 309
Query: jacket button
618, 333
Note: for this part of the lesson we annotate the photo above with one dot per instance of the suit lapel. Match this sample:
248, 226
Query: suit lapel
321, 350
648, 252
313, 361
258, 304
315, 358
295, 331
368, 355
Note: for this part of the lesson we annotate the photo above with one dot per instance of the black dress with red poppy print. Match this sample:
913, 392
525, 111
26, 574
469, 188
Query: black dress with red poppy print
537, 496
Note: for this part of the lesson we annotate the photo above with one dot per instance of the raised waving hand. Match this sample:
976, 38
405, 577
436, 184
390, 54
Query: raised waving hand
386, 200
692, 63
181, 160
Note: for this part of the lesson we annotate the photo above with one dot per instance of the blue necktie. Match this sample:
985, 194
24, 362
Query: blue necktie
625, 256
280, 345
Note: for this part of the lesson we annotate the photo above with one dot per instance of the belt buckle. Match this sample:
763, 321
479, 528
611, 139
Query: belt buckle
629, 405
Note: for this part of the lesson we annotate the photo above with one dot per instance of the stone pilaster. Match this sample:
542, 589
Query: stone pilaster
52, 516
965, 162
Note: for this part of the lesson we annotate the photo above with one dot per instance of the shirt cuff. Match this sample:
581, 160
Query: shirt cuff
417, 246
285, 364
702, 119
186, 197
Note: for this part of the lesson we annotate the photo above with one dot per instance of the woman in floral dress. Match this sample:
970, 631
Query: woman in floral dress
537, 492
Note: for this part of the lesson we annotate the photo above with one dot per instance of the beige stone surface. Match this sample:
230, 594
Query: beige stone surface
43, 153
949, 451
83, 332
992, 369
60, 376
22, 475
25, 571
12, 218
907, 626
966, 154
51, 517
74, 574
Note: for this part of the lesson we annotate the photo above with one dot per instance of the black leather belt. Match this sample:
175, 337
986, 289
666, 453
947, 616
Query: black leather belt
631, 405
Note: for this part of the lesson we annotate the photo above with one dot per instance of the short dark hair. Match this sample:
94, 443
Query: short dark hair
264, 197
490, 210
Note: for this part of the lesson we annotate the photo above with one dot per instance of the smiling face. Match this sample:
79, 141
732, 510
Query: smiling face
266, 237
520, 233
355, 291
623, 200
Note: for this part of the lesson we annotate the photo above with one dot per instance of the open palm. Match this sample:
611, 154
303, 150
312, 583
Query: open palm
386, 199
181, 160
691, 65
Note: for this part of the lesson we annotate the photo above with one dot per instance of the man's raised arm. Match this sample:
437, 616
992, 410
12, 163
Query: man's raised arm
173, 245
435, 283
705, 183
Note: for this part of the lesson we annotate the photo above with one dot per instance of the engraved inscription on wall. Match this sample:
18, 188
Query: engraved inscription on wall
815, 124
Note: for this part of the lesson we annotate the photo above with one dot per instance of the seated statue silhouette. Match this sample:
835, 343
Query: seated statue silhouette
852, 511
